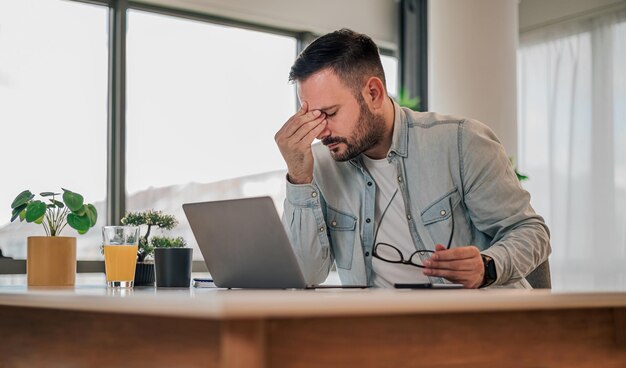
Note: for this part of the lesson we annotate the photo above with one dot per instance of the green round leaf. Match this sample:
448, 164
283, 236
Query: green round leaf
39, 220
49, 194
17, 211
92, 214
35, 210
80, 223
74, 201
81, 211
22, 198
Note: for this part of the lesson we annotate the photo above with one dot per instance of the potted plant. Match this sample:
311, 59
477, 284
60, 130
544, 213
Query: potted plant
172, 261
405, 100
144, 272
521, 177
51, 259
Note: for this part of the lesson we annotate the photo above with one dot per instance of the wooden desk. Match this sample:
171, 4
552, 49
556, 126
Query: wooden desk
96, 327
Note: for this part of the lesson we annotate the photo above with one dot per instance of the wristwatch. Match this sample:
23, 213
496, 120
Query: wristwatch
490, 271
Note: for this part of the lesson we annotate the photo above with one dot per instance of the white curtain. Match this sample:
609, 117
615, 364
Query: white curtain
572, 145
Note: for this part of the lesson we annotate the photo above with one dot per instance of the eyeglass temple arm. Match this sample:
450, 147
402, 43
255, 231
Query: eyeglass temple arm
452, 230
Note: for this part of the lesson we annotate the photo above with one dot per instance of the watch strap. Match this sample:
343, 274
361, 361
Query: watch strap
490, 271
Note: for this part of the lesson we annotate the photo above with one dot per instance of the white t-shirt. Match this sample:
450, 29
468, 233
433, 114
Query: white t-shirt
394, 227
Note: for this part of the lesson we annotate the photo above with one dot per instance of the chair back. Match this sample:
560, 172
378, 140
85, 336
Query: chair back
540, 277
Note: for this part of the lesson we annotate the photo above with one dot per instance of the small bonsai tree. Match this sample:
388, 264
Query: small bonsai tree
167, 242
151, 219
54, 216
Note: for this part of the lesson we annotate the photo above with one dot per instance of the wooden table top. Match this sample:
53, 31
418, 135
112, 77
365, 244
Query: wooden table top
242, 304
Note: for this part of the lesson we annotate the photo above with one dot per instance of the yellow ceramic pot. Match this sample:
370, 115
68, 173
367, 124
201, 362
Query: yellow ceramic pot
51, 261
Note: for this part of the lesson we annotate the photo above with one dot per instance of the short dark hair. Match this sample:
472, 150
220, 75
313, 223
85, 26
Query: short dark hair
352, 56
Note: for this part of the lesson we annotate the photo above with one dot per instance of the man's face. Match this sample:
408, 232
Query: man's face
352, 128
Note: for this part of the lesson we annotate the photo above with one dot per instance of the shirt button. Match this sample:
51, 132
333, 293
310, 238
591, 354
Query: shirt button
368, 220
443, 212
367, 254
334, 223
369, 183
409, 216
314, 194
321, 229
400, 179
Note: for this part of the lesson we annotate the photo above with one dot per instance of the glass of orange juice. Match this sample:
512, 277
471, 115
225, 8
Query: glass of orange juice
120, 254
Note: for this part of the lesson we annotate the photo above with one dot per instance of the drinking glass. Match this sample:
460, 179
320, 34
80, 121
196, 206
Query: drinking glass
120, 254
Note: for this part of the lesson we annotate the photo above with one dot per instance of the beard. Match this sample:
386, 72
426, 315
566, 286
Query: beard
369, 131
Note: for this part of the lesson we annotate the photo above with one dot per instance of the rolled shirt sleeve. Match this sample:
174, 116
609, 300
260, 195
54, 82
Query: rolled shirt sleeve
499, 207
303, 220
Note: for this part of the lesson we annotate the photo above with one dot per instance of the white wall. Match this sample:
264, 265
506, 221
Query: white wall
376, 18
472, 62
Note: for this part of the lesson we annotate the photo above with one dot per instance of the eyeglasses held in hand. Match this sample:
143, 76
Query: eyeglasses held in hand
389, 253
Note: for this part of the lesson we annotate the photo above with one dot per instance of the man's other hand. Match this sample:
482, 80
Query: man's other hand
294, 142
462, 265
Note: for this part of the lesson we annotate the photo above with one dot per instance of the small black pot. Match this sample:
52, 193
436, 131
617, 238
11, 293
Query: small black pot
144, 274
173, 266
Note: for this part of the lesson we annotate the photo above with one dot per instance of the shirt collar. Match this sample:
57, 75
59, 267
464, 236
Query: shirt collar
400, 138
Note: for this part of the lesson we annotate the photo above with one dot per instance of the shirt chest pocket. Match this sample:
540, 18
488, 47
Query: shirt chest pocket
342, 229
441, 209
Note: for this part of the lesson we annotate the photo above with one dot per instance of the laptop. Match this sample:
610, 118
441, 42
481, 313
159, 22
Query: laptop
244, 244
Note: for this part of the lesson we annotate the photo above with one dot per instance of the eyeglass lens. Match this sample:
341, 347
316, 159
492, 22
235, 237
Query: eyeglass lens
418, 257
389, 253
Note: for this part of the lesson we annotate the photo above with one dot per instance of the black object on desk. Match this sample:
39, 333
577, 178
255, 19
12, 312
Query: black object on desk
203, 283
427, 285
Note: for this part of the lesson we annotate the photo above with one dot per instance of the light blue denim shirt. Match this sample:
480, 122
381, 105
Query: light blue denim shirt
447, 166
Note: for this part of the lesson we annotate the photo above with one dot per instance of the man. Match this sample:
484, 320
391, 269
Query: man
392, 195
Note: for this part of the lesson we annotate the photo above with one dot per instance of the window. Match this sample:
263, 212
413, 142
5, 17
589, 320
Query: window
204, 103
572, 129
202, 114
53, 100
390, 66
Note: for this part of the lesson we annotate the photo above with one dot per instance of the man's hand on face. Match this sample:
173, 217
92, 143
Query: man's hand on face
294, 142
462, 265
